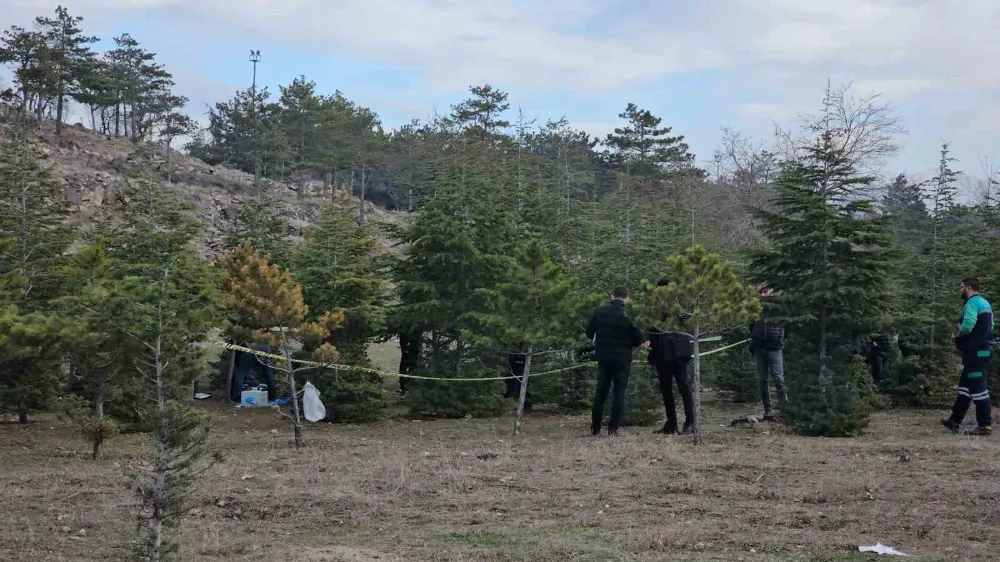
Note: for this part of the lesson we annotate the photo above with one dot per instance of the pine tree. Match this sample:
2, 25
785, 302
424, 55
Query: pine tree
704, 290
139, 96
445, 265
175, 125
32, 209
828, 264
256, 219
25, 50
96, 353
68, 58
267, 300
246, 134
530, 313
162, 318
337, 270
642, 209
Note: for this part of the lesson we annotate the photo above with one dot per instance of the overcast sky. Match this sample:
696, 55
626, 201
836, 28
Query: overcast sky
700, 65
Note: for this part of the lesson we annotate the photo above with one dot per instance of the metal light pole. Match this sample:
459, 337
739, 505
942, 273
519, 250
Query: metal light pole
254, 58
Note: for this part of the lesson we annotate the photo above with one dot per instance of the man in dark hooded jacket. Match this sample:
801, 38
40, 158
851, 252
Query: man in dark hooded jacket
614, 337
767, 343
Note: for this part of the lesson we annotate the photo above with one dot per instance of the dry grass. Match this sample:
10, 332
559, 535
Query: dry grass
465, 490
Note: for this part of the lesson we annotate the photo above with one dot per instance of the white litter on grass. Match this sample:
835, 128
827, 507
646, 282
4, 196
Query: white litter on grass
881, 550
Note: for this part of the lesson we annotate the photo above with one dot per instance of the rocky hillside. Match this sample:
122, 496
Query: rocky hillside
93, 168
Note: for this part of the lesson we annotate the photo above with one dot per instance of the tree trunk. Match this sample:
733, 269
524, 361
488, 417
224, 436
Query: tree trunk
98, 434
296, 419
161, 464
170, 171
328, 180
22, 413
524, 393
361, 204
696, 387
59, 113
229, 379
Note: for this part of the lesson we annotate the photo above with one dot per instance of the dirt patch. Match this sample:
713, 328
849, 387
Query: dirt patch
467, 490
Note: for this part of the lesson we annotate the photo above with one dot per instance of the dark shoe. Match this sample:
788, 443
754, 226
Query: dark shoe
982, 431
688, 430
614, 433
595, 432
952, 425
769, 417
669, 428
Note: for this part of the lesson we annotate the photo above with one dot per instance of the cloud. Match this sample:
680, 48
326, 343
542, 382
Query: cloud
775, 55
597, 46
767, 112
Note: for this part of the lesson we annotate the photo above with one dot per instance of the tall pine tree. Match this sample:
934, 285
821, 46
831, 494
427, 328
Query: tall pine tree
828, 263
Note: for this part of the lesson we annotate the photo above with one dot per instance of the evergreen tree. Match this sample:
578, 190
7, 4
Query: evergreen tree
256, 219
68, 58
530, 313
436, 283
96, 352
32, 209
265, 299
704, 291
246, 133
828, 264
26, 51
641, 213
481, 116
337, 270
162, 318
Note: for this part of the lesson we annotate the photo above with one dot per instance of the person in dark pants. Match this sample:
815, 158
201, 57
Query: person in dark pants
974, 339
614, 337
515, 368
667, 371
767, 343
878, 358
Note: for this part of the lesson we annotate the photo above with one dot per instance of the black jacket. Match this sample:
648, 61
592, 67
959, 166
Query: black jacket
616, 335
767, 335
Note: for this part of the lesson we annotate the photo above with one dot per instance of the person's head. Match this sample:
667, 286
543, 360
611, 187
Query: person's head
620, 294
765, 292
662, 282
970, 287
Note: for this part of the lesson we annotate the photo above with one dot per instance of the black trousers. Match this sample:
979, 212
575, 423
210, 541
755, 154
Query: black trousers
972, 388
610, 376
880, 364
667, 373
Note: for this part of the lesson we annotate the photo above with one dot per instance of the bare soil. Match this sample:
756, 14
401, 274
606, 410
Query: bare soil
466, 490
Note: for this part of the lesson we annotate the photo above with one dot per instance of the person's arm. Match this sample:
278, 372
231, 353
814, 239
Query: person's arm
592, 327
638, 336
969, 316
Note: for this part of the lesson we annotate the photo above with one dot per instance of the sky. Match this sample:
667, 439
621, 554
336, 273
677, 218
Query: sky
700, 65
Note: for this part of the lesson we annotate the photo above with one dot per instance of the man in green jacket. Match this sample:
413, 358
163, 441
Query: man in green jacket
974, 339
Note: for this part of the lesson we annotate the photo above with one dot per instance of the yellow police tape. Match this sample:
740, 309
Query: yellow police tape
355, 368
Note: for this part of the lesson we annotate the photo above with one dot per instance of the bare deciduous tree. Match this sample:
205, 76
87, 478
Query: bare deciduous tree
863, 128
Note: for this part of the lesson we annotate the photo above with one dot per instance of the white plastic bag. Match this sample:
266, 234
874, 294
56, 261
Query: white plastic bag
314, 408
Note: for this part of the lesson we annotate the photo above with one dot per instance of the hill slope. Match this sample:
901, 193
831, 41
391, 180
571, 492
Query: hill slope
94, 167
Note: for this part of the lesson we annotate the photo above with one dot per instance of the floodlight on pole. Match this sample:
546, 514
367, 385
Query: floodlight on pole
254, 58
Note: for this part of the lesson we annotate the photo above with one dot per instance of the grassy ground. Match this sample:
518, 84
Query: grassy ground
465, 490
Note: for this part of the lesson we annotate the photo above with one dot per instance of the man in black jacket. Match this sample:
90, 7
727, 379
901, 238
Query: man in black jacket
670, 366
767, 343
614, 337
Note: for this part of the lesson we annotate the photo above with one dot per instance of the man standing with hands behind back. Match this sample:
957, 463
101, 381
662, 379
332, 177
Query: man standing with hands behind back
614, 337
